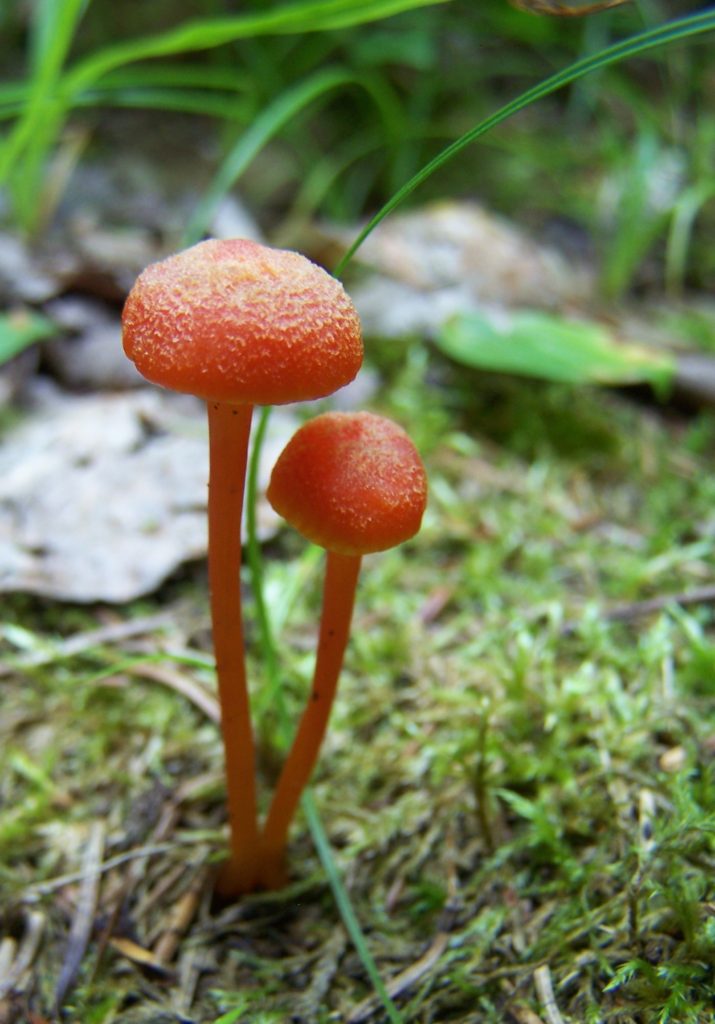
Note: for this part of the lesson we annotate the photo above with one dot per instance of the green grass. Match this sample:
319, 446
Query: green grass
266, 85
519, 771
40, 105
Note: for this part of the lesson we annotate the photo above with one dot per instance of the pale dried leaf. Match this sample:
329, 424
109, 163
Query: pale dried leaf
103, 496
456, 256
22, 277
90, 357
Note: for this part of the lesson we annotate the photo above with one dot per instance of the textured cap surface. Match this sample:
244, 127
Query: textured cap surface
351, 482
240, 322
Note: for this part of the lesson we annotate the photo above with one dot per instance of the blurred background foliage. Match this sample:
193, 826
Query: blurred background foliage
620, 164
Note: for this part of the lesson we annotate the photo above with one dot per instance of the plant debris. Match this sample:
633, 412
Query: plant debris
103, 496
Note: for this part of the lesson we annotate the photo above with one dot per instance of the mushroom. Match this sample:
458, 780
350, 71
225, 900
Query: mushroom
352, 483
238, 324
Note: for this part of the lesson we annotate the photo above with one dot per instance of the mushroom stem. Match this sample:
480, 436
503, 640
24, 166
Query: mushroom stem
229, 430
341, 574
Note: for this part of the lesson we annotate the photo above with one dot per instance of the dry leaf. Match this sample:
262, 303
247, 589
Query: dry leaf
103, 496
453, 257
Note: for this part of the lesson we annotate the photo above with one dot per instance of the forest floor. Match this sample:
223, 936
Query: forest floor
517, 787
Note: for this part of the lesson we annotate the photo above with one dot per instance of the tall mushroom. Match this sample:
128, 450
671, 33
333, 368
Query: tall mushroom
353, 483
238, 324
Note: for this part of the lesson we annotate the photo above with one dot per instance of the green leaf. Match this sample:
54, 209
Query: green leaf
231, 1017
21, 329
544, 345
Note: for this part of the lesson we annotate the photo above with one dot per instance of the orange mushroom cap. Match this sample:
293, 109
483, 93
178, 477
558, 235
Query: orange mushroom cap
351, 482
239, 322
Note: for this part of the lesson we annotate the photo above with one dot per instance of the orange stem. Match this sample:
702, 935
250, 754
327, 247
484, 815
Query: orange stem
341, 573
229, 430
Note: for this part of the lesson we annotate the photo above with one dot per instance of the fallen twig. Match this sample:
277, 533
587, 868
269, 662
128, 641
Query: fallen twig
80, 642
545, 992
13, 981
84, 916
180, 918
181, 684
149, 850
523, 1015
638, 609
138, 955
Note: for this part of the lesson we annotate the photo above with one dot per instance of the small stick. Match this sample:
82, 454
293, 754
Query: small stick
523, 1015
81, 642
545, 992
411, 975
190, 970
638, 609
179, 920
8, 948
27, 951
83, 920
182, 684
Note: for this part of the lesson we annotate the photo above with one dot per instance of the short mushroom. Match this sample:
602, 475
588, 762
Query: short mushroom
238, 324
353, 483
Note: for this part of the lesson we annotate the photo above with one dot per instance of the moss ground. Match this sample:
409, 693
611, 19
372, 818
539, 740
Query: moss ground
518, 783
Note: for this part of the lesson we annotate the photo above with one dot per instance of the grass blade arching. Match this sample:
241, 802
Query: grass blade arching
631, 47
215, 32
269, 122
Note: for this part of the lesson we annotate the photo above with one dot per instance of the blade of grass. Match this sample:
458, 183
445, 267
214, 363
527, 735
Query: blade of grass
270, 695
638, 220
319, 183
269, 122
52, 30
13, 98
255, 564
184, 76
176, 75
684, 216
270, 657
208, 34
23, 153
180, 75
223, 93
344, 904
631, 47
184, 101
